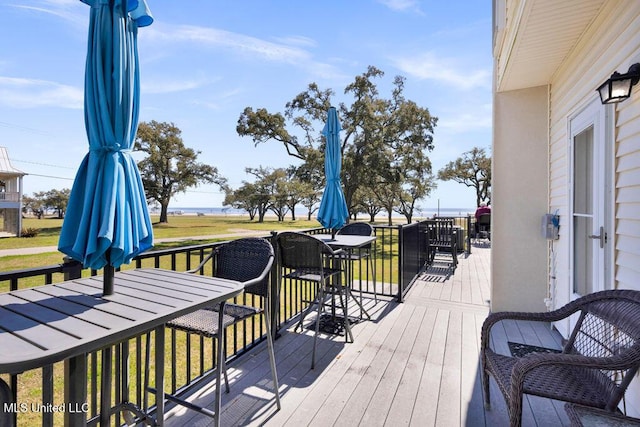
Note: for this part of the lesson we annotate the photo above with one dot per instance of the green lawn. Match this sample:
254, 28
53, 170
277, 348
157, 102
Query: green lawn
178, 226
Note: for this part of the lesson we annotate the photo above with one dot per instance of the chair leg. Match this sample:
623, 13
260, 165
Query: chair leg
221, 363
306, 312
515, 411
485, 389
344, 302
224, 372
315, 335
272, 356
147, 356
373, 276
6, 398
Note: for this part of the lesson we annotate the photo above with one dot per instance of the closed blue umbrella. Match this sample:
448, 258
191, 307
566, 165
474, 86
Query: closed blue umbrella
107, 221
333, 212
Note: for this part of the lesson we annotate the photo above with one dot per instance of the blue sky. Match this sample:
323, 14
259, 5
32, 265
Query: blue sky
204, 61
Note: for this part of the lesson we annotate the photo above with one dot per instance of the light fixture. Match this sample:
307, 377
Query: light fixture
618, 87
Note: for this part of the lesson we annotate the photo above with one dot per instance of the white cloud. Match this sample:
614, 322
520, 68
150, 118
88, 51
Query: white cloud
288, 51
445, 70
29, 93
68, 10
470, 117
402, 5
297, 40
170, 86
240, 43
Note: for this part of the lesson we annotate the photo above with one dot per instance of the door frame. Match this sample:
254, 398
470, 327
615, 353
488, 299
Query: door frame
593, 113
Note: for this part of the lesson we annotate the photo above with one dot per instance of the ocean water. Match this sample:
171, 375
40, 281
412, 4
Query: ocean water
300, 213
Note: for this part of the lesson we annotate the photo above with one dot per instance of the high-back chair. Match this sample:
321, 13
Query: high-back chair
366, 253
307, 258
442, 238
484, 226
247, 260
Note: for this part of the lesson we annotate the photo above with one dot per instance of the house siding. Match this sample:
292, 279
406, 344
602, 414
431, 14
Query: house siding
603, 49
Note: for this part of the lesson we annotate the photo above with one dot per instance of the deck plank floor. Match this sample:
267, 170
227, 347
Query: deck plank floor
415, 364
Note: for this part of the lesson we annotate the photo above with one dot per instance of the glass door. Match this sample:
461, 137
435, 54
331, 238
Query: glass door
590, 198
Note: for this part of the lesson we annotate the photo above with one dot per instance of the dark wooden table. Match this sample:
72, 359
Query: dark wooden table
66, 321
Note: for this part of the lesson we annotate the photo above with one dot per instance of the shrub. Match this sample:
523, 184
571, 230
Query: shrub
29, 232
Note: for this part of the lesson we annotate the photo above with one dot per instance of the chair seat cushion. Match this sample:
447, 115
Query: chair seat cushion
240, 312
202, 322
568, 383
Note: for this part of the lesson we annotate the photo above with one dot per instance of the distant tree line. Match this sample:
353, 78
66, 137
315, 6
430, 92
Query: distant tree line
42, 202
385, 164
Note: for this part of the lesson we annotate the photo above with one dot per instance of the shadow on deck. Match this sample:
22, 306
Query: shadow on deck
415, 363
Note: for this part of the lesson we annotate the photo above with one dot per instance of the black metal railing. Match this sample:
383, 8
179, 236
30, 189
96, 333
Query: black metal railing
399, 253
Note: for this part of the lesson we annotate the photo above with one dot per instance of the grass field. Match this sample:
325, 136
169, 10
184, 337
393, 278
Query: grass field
178, 226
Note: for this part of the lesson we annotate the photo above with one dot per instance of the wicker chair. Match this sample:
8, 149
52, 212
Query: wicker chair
483, 227
595, 367
247, 260
307, 258
366, 253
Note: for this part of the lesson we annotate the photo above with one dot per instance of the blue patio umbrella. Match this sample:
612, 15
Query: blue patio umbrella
107, 220
333, 212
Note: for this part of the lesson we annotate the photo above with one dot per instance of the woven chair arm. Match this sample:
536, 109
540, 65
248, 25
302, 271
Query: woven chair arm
547, 316
628, 359
204, 262
625, 360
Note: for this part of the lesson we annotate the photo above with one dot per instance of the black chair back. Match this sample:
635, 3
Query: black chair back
301, 251
357, 229
246, 260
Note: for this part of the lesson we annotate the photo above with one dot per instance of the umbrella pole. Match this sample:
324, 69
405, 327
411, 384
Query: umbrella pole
108, 280
108, 271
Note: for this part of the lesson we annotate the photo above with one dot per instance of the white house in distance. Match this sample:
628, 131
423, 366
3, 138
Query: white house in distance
10, 195
558, 149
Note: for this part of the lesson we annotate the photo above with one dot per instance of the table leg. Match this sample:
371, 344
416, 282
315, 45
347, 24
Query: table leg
160, 375
75, 390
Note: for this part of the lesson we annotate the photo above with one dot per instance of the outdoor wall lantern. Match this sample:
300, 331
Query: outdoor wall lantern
618, 87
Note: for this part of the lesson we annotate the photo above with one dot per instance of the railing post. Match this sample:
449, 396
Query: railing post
71, 268
469, 234
400, 264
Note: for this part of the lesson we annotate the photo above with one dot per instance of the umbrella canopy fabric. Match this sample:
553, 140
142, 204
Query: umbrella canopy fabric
333, 212
107, 220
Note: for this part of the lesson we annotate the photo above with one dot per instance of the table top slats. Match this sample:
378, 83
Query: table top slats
126, 294
126, 301
168, 297
12, 343
69, 325
95, 312
193, 282
127, 309
40, 334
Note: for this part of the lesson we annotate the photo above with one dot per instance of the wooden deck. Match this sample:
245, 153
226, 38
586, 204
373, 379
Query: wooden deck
414, 363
